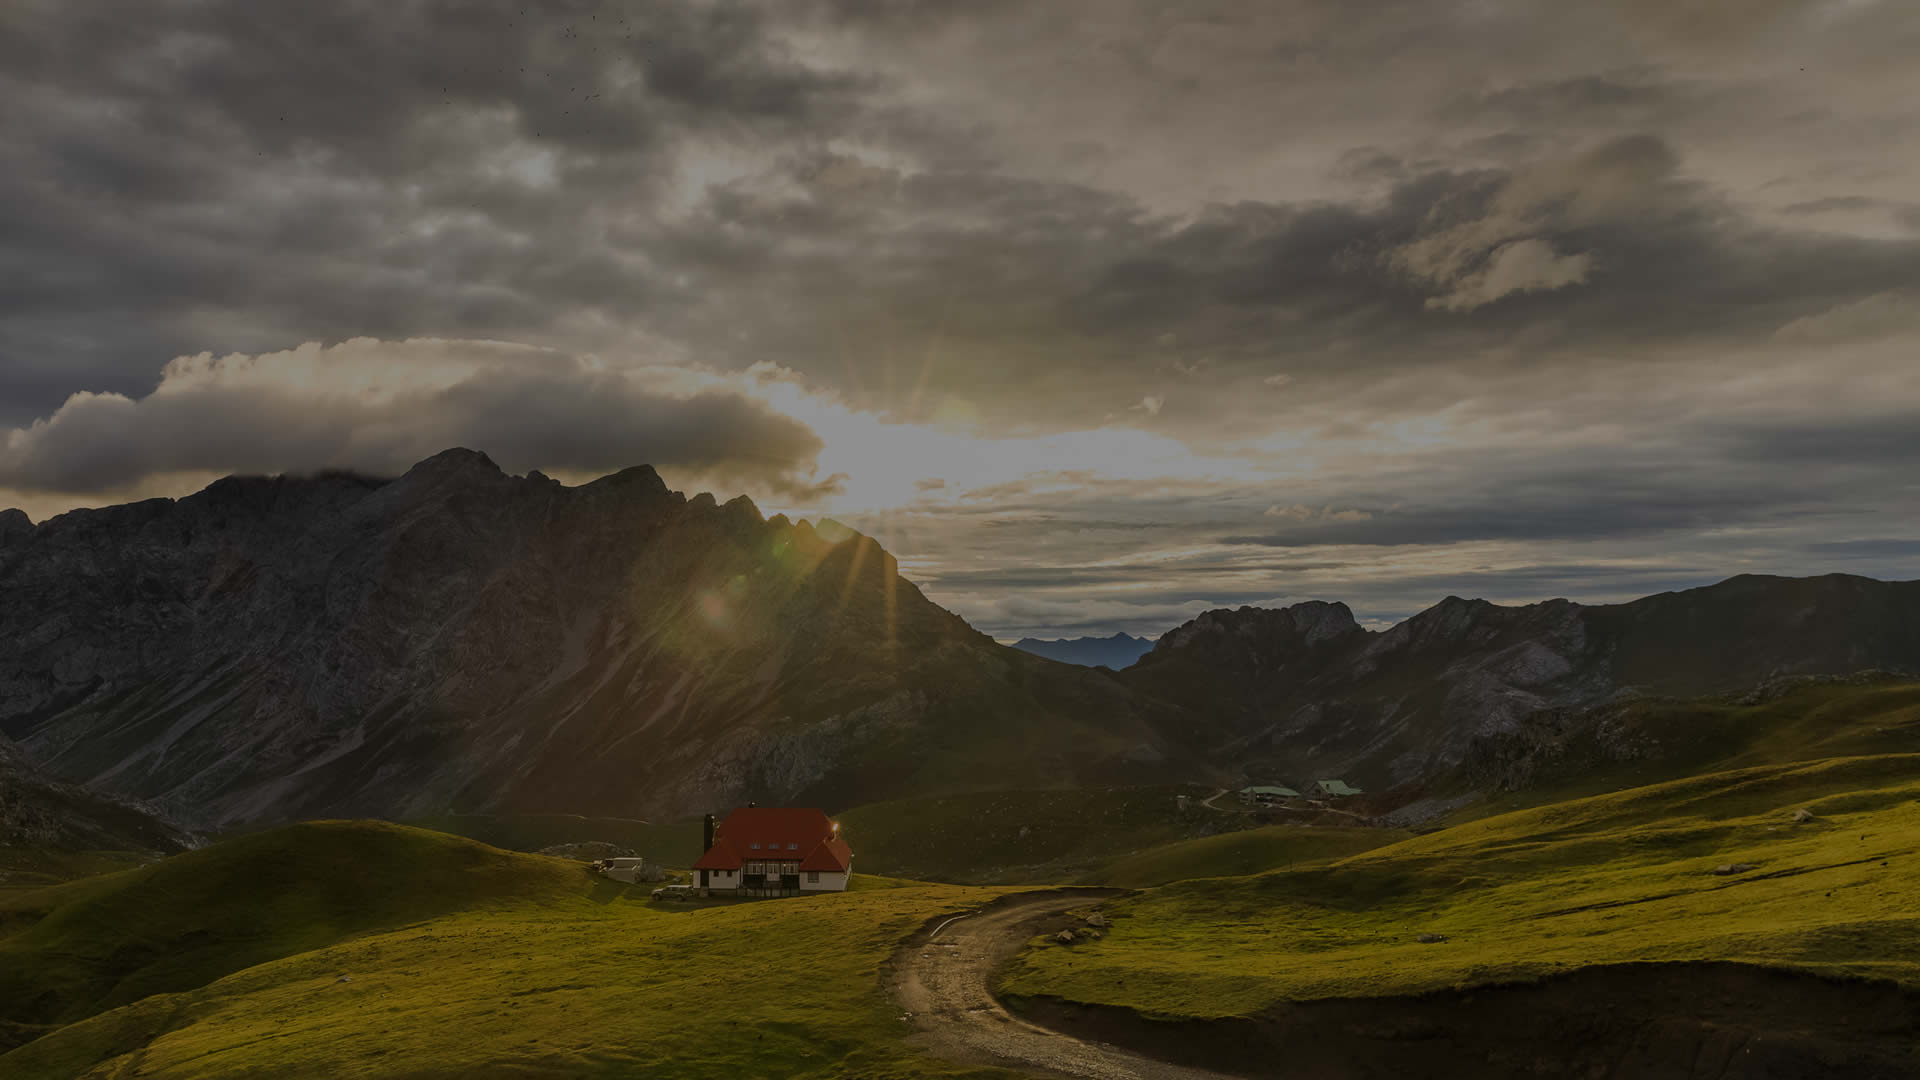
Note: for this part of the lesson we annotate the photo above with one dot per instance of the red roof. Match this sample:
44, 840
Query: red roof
779, 833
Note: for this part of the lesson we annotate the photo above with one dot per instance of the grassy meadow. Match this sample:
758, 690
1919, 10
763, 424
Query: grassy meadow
489, 963
1027, 837
368, 949
1609, 879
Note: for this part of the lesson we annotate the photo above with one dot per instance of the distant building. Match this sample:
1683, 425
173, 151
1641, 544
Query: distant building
1267, 793
773, 851
1335, 789
630, 869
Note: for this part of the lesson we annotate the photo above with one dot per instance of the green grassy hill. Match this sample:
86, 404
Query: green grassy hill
468, 961
71, 950
1605, 880
674, 843
1026, 837
1236, 854
1642, 742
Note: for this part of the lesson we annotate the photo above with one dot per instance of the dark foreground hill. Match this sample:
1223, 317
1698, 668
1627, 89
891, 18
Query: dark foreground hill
1114, 652
464, 639
1304, 693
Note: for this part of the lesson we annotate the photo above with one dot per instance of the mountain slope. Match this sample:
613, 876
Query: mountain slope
1305, 693
1115, 652
41, 813
463, 639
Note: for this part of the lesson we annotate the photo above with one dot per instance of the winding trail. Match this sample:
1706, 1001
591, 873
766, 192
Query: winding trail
942, 977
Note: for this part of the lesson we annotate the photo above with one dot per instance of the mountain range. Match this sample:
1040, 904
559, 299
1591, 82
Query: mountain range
1114, 652
462, 639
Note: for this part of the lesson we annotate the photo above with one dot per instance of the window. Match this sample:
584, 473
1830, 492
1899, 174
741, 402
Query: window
792, 846
755, 845
813, 877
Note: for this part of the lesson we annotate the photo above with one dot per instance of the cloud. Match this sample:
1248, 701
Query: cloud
1520, 266
1151, 404
1882, 315
1497, 241
381, 406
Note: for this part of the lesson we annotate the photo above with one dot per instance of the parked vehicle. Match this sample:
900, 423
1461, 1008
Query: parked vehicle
673, 892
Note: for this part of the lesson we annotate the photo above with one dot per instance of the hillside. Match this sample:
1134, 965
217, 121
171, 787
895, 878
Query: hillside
459, 639
73, 950
1304, 692
343, 950
41, 813
1115, 652
1669, 917
1025, 837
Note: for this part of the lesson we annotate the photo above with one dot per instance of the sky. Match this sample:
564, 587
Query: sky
1098, 313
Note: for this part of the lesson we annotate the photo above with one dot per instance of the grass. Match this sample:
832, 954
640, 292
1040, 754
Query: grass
1029, 837
1236, 854
674, 843
1857, 716
71, 950
1604, 880
524, 966
24, 870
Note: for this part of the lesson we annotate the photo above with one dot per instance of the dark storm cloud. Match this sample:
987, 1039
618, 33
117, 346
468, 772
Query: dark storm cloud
246, 176
1897, 547
1016, 281
1629, 99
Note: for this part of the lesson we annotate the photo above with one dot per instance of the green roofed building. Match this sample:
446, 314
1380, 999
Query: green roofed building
1335, 788
1267, 793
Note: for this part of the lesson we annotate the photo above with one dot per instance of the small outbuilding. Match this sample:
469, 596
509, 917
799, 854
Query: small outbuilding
1335, 789
631, 869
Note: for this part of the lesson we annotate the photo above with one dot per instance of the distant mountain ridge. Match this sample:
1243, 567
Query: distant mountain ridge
459, 638
1115, 652
1309, 693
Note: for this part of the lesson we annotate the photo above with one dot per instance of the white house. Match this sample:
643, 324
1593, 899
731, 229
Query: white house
773, 851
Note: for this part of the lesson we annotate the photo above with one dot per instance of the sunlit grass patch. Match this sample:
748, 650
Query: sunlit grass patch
1610, 879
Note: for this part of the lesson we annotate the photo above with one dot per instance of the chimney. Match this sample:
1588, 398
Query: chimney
707, 831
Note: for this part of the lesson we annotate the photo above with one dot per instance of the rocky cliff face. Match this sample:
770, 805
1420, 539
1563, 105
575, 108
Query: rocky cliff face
1305, 693
461, 638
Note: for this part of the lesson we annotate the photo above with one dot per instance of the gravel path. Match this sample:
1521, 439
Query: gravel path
942, 977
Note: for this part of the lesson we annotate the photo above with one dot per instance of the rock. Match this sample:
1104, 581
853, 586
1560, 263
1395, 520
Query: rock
1097, 919
1066, 937
1733, 868
1802, 816
344, 978
1430, 939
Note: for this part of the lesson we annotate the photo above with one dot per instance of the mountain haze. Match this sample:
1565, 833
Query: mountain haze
1114, 652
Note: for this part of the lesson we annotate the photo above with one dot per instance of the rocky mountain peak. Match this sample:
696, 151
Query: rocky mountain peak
636, 478
15, 526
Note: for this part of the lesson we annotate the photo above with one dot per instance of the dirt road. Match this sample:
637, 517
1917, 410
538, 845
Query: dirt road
942, 978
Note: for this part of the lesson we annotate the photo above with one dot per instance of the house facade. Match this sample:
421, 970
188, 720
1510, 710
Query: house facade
773, 851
